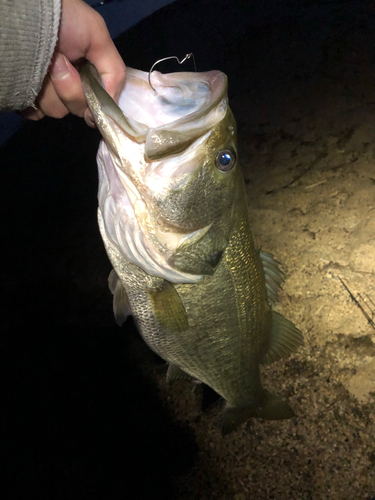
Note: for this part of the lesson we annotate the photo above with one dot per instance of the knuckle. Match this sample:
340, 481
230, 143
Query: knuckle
99, 21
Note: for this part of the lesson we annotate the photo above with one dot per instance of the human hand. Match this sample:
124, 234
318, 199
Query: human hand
82, 34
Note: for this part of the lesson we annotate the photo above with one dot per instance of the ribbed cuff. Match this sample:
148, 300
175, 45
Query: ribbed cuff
28, 36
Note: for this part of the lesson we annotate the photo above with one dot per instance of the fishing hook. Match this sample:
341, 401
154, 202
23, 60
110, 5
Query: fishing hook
188, 56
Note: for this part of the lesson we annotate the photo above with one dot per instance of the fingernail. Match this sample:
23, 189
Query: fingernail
60, 67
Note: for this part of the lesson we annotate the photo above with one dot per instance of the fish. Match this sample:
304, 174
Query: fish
174, 219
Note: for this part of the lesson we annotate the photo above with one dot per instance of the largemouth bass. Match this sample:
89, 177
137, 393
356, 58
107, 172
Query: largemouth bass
174, 220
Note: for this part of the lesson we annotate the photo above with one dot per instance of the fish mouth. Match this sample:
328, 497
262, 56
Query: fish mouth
187, 105
182, 108
144, 130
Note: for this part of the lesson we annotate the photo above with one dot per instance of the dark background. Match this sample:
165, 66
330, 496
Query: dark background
78, 418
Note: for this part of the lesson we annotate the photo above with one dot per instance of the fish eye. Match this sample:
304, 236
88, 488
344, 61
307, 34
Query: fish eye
225, 160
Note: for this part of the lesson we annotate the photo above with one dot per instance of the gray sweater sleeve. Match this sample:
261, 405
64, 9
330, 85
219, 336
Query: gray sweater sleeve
28, 35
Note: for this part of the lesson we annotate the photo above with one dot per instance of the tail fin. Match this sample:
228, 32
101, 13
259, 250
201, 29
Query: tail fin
274, 408
271, 408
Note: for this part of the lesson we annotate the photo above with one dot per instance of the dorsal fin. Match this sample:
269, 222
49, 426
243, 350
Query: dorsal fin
284, 337
273, 274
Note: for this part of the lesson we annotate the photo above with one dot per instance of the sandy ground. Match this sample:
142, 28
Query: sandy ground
87, 411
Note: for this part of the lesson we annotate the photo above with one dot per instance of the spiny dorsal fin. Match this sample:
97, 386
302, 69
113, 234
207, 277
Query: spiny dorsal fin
284, 339
121, 306
273, 274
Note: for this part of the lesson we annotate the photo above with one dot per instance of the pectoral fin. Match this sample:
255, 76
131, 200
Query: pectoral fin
168, 308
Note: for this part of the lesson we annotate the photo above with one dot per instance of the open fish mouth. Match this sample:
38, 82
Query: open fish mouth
183, 107
154, 143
